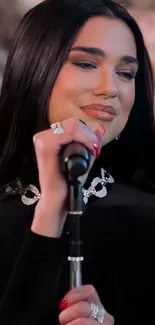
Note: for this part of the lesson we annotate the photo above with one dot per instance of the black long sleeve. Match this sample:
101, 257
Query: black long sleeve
30, 269
118, 235
29, 287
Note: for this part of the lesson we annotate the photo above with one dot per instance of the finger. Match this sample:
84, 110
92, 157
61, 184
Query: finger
46, 141
81, 130
72, 124
99, 133
108, 320
80, 309
83, 293
83, 321
48, 146
47, 151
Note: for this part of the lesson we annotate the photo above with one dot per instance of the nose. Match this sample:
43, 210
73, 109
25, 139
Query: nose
106, 84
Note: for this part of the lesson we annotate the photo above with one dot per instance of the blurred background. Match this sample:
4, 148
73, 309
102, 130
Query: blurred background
11, 12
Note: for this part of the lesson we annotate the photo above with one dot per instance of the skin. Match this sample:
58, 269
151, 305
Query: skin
85, 78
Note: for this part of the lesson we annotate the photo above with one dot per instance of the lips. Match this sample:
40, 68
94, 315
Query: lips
98, 111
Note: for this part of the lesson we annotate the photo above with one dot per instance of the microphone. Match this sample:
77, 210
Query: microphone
75, 158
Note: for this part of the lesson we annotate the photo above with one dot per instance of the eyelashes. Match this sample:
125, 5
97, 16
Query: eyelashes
85, 65
127, 75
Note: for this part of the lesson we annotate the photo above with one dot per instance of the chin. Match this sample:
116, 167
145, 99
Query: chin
94, 124
107, 138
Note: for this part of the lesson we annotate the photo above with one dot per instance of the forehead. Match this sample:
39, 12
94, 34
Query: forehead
110, 34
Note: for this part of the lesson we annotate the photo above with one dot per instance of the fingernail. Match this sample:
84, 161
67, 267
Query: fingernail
96, 150
63, 304
101, 129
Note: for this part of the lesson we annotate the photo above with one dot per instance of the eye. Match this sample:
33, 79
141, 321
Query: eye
85, 65
126, 75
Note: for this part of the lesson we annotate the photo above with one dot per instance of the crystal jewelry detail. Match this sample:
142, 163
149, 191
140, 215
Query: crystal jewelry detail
27, 200
16, 187
57, 128
105, 178
97, 313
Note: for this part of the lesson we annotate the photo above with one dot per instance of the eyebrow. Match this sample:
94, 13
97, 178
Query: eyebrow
96, 51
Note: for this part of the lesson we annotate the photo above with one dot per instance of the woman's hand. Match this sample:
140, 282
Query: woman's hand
76, 308
50, 211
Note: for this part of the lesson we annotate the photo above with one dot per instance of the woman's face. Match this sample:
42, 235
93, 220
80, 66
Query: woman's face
97, 81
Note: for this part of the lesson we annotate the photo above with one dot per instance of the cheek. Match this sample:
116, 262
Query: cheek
72, 82
68, 83
128, 97
68, 91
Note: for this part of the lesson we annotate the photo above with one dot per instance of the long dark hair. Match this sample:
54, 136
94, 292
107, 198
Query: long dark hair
39, 49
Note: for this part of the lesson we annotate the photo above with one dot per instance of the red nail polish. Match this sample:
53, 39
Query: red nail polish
63, 304
96, 150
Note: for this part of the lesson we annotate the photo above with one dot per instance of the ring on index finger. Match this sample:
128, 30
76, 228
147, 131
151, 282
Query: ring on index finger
57, 128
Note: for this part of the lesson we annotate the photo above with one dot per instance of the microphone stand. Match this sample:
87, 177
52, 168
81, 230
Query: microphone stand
75, 255
76, 159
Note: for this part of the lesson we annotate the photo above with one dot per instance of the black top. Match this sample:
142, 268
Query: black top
118, 234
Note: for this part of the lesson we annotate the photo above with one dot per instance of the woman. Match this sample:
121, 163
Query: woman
75, 62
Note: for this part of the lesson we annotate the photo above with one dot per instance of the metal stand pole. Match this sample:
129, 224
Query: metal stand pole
75, 256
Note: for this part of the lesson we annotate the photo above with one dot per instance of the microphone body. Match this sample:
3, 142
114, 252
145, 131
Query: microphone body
75, 159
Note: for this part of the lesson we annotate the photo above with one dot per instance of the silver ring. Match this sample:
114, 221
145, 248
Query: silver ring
97, 313
57, 128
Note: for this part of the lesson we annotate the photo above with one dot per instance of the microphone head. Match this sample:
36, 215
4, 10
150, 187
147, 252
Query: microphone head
75, 159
